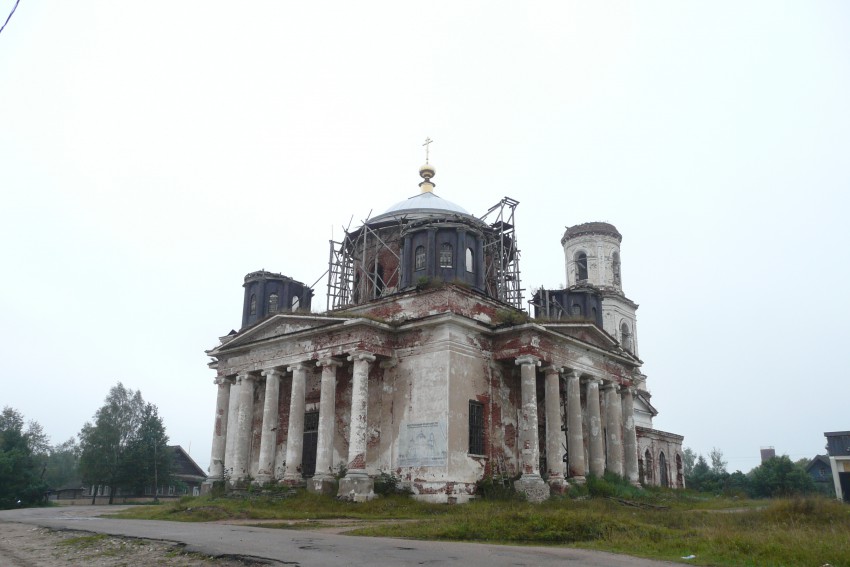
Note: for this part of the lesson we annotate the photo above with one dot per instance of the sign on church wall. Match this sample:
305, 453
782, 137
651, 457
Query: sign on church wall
423, 445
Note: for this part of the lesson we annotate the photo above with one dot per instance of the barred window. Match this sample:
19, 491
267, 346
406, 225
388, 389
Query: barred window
273, 303
446, 256
420, 258
476, 427
253, 305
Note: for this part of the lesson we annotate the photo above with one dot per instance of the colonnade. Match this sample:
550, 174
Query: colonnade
617, 453
234, 416
232, 436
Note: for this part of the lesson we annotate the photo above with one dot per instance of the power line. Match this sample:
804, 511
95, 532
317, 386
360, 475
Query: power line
9, 17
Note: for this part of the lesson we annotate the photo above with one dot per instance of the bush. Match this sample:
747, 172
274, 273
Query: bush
498, 487
388, 484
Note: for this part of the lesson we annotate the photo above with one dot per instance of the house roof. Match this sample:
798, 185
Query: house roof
183, 464
823, 459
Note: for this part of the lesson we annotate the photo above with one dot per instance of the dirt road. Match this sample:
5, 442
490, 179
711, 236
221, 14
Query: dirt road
265, 546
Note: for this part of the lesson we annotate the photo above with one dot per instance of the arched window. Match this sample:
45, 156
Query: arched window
446, 255
273, 303
296, 303
647, 458
662, 470
626, 336
470, 260
615, 260
593, 313
576, 310
420, 258
253, 305
581, 266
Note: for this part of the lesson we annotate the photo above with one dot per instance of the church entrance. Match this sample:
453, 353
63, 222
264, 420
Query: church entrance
311, 440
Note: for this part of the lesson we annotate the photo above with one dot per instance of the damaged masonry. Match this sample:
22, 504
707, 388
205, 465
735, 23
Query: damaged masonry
425, 366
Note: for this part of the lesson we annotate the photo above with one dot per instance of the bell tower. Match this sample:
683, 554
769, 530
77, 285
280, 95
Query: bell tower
592, 260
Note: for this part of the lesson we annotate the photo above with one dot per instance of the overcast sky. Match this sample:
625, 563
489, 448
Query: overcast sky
153, 153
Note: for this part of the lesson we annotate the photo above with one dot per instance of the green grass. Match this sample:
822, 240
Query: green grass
660, 524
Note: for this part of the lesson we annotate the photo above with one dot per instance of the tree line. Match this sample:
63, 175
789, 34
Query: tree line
776, 477
124, 447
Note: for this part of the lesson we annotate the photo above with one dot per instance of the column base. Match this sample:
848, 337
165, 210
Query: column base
578, 479
324, 485
356, 488
557, 485
533, 486
263, 479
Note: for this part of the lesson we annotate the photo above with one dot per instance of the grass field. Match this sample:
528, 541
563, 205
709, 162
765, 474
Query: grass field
653, 523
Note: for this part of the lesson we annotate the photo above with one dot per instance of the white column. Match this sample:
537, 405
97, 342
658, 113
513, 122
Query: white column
327, 414
232, 426
613, 427
630, 446
554, 435
528, 439
295, 432
243, 426
575, 429
359, 409
268, 440
596, 447
219, 441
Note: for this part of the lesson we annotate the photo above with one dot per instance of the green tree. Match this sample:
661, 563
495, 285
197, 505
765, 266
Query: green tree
104, 444
20, 467
63, 464
718, 465
690, 459
147, 460
780, 476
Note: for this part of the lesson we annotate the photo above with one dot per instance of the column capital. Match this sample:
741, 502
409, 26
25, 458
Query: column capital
552, 369
328, 361
221, 380
590, 380
611, 386
569, 373
358, 355
627, 390
297, 366
527, 359
246, 377
270, 372
389, 363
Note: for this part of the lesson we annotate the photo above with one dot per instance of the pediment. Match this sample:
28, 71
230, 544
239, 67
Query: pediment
586, 333
276, 326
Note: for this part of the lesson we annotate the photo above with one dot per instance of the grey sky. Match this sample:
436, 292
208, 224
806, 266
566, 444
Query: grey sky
153, 153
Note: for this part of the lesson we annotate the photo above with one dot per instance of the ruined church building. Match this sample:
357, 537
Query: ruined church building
426, 366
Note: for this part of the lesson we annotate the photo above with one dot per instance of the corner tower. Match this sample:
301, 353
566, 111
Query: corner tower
592, 259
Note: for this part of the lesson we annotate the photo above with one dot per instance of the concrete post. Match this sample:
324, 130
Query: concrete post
575, 429
268, 440
243, 424
531, 482
322, 481
357, 485
219, 441
295, 431
596, 448
232, 426
554, 435
630, 446
614, 427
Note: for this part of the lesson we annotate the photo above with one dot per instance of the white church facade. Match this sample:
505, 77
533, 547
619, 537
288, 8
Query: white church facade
426, 366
